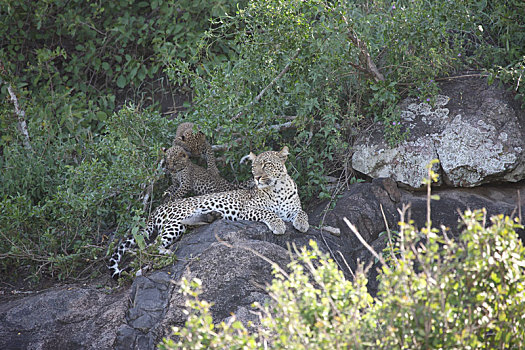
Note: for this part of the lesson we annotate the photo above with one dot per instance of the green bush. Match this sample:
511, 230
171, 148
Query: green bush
100, 48
72, 64
441, 294
58, 220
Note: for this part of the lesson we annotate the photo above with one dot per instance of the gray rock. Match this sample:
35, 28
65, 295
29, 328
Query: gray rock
475, 130
227, 257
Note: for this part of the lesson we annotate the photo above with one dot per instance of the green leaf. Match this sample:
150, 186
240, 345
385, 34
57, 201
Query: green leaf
121, 81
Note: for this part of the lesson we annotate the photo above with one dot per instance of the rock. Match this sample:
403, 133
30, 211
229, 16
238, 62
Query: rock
495, 199
475, 130
362, 206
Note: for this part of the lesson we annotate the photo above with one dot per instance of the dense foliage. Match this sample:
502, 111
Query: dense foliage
440, 294
71, 65
89, 76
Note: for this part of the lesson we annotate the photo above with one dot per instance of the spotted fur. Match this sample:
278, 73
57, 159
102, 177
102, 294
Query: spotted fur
188, 177
273, 200
196, 144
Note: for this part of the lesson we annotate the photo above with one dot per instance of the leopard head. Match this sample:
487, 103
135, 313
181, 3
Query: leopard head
176, 158
268, 167
193, 141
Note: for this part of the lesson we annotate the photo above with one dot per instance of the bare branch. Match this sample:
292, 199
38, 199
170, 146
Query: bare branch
276, 127
21, 116
226, 146
335, 231
363, 242
149, 188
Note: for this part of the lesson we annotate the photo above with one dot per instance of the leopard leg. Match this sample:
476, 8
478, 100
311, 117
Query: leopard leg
272, 220
211, 164
182, 184
170, 234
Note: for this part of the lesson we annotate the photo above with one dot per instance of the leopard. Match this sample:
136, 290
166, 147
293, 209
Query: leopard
196, 144
273, 200
189, 177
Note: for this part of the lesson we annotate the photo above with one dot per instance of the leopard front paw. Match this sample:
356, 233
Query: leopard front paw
301, 222
278, 227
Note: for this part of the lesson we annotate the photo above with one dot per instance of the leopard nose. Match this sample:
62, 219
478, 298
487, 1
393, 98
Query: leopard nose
257, 178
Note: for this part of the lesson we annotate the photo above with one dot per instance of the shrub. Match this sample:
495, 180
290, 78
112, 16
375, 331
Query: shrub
57, 221
101, 48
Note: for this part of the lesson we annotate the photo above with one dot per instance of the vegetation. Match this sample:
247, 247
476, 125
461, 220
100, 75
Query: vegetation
442, 294
259, 74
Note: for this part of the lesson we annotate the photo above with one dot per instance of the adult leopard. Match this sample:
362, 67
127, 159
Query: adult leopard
273, 200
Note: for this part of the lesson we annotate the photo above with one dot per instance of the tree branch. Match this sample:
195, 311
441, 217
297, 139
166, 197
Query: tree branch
366, 64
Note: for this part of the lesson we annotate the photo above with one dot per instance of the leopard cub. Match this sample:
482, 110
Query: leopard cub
189, 177
196, 144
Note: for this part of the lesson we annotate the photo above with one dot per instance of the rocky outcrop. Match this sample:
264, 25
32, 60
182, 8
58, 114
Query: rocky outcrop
227, 258
477, 132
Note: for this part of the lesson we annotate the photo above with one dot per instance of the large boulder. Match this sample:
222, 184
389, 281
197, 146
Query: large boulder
373, 206
477, 132
231, 258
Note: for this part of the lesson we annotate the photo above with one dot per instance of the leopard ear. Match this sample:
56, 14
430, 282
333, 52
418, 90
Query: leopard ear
250, 156
163, 149
283, 154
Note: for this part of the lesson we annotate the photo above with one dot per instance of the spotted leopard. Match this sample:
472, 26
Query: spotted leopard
273, 200
196, 144
188, 177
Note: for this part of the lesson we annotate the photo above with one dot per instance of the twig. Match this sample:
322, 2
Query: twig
346, 263
363, 242
149, 188
329, 249
334, 231
388, 232
226, 146
259, 96
519, 207
21, 116
477, 75
282, 126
